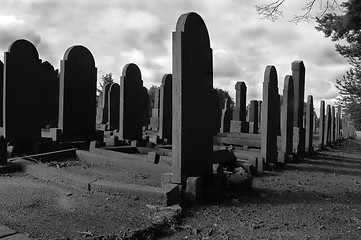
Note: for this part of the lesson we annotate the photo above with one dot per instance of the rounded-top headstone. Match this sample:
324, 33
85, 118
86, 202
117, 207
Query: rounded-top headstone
26, 49
80, 55
132, 71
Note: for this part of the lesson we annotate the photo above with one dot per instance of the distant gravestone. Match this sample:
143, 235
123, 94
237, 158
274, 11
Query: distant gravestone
309, 125
328, 126
338, 124
113, 106
49, 96
21, 106
131, 103
298, 74
165, 115
333, 124
154, 120
192, 94
146, 110
77, 95
105, 104
239, 111
287, 118
253, 116
1, 92
322, 124
270, 104
226, 116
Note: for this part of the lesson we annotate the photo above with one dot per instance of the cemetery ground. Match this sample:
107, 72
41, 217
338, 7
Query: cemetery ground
318, 197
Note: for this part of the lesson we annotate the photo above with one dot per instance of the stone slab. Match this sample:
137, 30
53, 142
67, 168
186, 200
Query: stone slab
17, 237
6, 231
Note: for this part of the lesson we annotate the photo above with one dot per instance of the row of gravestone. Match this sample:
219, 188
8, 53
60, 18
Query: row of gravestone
192, 128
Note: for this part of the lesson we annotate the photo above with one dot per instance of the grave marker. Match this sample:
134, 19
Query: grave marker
333, 124
165, 121
226, 116
322, 124
146, 108
1, 92
113, 106
270, 103
77, 95
309, 124
192, 95
253, 116
328, 126
287, 117
131, 103
105, 104
21, 106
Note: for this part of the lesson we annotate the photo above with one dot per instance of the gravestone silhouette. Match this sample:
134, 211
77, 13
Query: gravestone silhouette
309, 125
131, 103
226, 116
165, 110
105, 100
49, 96
322, 124
192, 94
287, 117
21, 106
146, 110
113, 106
270, 103
77, 95
1, 92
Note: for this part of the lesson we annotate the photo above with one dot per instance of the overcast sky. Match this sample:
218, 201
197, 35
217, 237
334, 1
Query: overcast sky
118, 32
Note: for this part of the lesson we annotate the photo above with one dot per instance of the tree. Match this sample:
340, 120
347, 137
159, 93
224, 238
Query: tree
107, 78
346, 28
151, 93
223, 95
311, 10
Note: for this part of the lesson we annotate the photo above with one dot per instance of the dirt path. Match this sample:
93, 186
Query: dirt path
317, 198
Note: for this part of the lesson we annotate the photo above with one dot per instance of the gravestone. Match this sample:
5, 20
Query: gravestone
298, 74
77, 95
287, 118
253, 116
226, 116
239, 111
333, 124
154, 120
146, 108
165, 121
314, 123
322, 124
1, 92
270, 103
259, 112
328, 126
338, 123
49, 96
309, 124
131, 103
21, 106
105, 104
192, 94
113, 106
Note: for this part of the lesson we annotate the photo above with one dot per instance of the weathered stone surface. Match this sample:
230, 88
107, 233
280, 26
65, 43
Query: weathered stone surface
192, 95
309, 125
239, 111
165, 108
49, 96
146, 110
226, 117
239, 127
333, 124
22, 66
113, 106
3, 151
217, 113
77, 109
287, 116
131, 102
322, 124
269, 119
154, 120
194, 190
338, 123
298, 74
328, 126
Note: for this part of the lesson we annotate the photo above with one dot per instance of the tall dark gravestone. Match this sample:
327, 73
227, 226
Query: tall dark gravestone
21, 106
309, 124
253, 116
49, 96
298, 74
322, 124
270, 103
192, 94
333, 117
239, 111
287, 118
217, 112
146, 110
165, 115
113, 106
1, 92
77, 95
105, 104
226, 116
328, 125
131, 103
